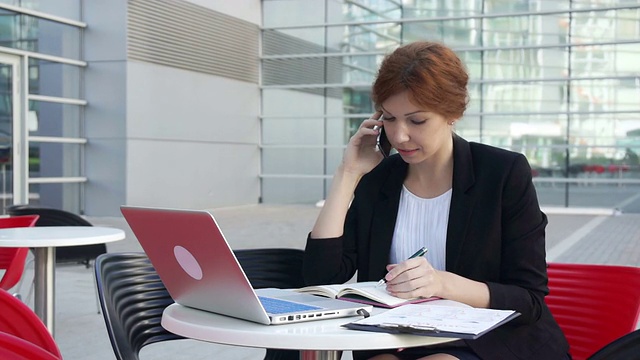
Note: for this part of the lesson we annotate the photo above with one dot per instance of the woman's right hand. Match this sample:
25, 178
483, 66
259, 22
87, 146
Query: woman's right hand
361, 155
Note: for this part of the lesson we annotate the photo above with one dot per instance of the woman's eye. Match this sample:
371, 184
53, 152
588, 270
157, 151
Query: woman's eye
418, 122
388, 118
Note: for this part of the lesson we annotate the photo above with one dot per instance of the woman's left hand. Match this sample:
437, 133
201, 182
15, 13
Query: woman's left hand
413, 278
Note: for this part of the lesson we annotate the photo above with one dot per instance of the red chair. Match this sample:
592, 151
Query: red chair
15, 348
17, 319
593, 304
12, 260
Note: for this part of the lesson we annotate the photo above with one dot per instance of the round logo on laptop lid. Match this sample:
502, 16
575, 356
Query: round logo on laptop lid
188, 262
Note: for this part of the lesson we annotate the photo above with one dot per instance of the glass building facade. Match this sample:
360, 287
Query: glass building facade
556, 80
41, 103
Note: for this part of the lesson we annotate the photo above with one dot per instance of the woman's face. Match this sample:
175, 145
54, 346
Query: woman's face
416, 133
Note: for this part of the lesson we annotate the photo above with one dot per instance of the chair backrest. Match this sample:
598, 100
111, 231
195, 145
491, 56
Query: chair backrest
56, 217
15, 348
49, 216
132, 298
593, 304
12, 260
17, 319
18, 221
271, 267
624, 348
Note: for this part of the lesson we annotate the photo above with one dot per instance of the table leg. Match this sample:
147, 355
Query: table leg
320, 355
44, 280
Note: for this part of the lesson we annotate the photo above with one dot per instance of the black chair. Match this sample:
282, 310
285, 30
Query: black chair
53, 217
133, 297
272, 268
626, 347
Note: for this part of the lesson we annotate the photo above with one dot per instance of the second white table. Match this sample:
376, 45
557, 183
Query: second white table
44, 240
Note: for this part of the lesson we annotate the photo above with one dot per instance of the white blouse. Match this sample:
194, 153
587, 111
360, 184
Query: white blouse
421, 222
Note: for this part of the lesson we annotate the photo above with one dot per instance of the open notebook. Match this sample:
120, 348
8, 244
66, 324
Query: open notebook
367, 292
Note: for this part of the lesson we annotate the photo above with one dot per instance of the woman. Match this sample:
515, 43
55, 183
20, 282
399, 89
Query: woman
473, 206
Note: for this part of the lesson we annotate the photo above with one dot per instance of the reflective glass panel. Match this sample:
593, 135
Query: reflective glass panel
300, 13
69, 9
54, 119
54, 79
54, 159
34, 34
65, 196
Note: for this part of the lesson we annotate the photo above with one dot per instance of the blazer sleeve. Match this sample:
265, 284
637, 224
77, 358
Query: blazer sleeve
523, 276
332, 260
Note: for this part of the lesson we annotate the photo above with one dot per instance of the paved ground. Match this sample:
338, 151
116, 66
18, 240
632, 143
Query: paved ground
80, 330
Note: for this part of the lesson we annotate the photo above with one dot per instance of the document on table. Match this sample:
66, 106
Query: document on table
435, 320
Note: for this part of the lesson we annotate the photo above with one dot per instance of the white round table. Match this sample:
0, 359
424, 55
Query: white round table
323, 339
44, 240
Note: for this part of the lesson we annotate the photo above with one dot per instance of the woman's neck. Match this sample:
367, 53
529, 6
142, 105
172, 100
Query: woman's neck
434, 176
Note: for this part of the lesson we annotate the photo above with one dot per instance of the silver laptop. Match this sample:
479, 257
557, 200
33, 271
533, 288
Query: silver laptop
199, 269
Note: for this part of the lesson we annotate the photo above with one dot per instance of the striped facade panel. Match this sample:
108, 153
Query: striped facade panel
187, 36
299, 71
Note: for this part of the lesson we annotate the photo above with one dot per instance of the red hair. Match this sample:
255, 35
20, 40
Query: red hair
432, 73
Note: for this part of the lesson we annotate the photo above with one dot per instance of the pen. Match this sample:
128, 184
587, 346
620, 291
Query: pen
417, 254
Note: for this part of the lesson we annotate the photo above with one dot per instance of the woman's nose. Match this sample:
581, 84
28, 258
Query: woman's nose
401, 134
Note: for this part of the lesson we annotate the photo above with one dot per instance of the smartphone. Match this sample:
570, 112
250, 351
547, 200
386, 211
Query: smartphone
383, 143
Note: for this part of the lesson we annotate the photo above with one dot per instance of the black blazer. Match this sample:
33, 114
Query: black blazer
496, 234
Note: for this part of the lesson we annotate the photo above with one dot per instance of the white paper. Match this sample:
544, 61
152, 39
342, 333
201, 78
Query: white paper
467, 320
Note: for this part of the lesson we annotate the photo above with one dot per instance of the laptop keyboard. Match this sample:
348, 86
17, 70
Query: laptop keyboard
277, 306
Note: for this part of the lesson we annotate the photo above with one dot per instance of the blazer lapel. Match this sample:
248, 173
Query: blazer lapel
461, 201
385, 212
